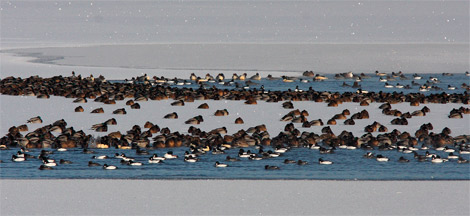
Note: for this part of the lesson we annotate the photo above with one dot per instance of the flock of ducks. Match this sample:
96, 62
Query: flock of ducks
140, 89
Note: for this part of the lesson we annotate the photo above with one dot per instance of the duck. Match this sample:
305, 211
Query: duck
301, 162
377, 73
44, 167
255, 157
369, 155
172, 115
154, 160
416, 76
62, 161
382, 158
61, 149
403, 160
195, 120
91, 163
100, 157
388, 85
324, 162
134, 163
267, 167
15, 158
279, 149
287, 161
218, 164
256, 77
156, 157
243, 154
170, 155
462, 160
190, 159
48, 163
231, 159
109, 167
452, 156
381, 79
35, 120
436, 159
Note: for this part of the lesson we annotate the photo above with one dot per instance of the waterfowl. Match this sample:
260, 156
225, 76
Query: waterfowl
195, 120
369, 155
98, 110
243, 154
100, 157
44, 167
377, 73
256, 77
35, 120
218, 164
49, 163
170, 155
388, 85
121, 111
134, 163
203, 106
324, 162
287, 161
80, 100
301, 162
230, 159
109, 167
239, 121
190, 159
172, 115
267, 167
223, 112
178, 103
279, 149
381, 79
403, 160
156, 160
62, 161
381, 158
15, 158
436, 159
91, 163
79, 109
462, 160
452, 156
156, 157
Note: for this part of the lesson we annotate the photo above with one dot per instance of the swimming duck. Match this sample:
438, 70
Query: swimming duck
191, 159
287, 161
403, 160
91, 163
436, 159
49, 163
256, 77
218, 164
35, 120
382, 158
228, 158
324, 162
134, 163
170, 155
15, 158
44, 167
267, 167
462, 160
452, 156
109, 167
100, 157
301, 162
62, 161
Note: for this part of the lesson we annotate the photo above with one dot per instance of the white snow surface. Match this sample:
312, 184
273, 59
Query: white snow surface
233, 197
16, 110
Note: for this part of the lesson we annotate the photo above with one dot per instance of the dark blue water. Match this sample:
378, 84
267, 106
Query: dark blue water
332, 84
348, 164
